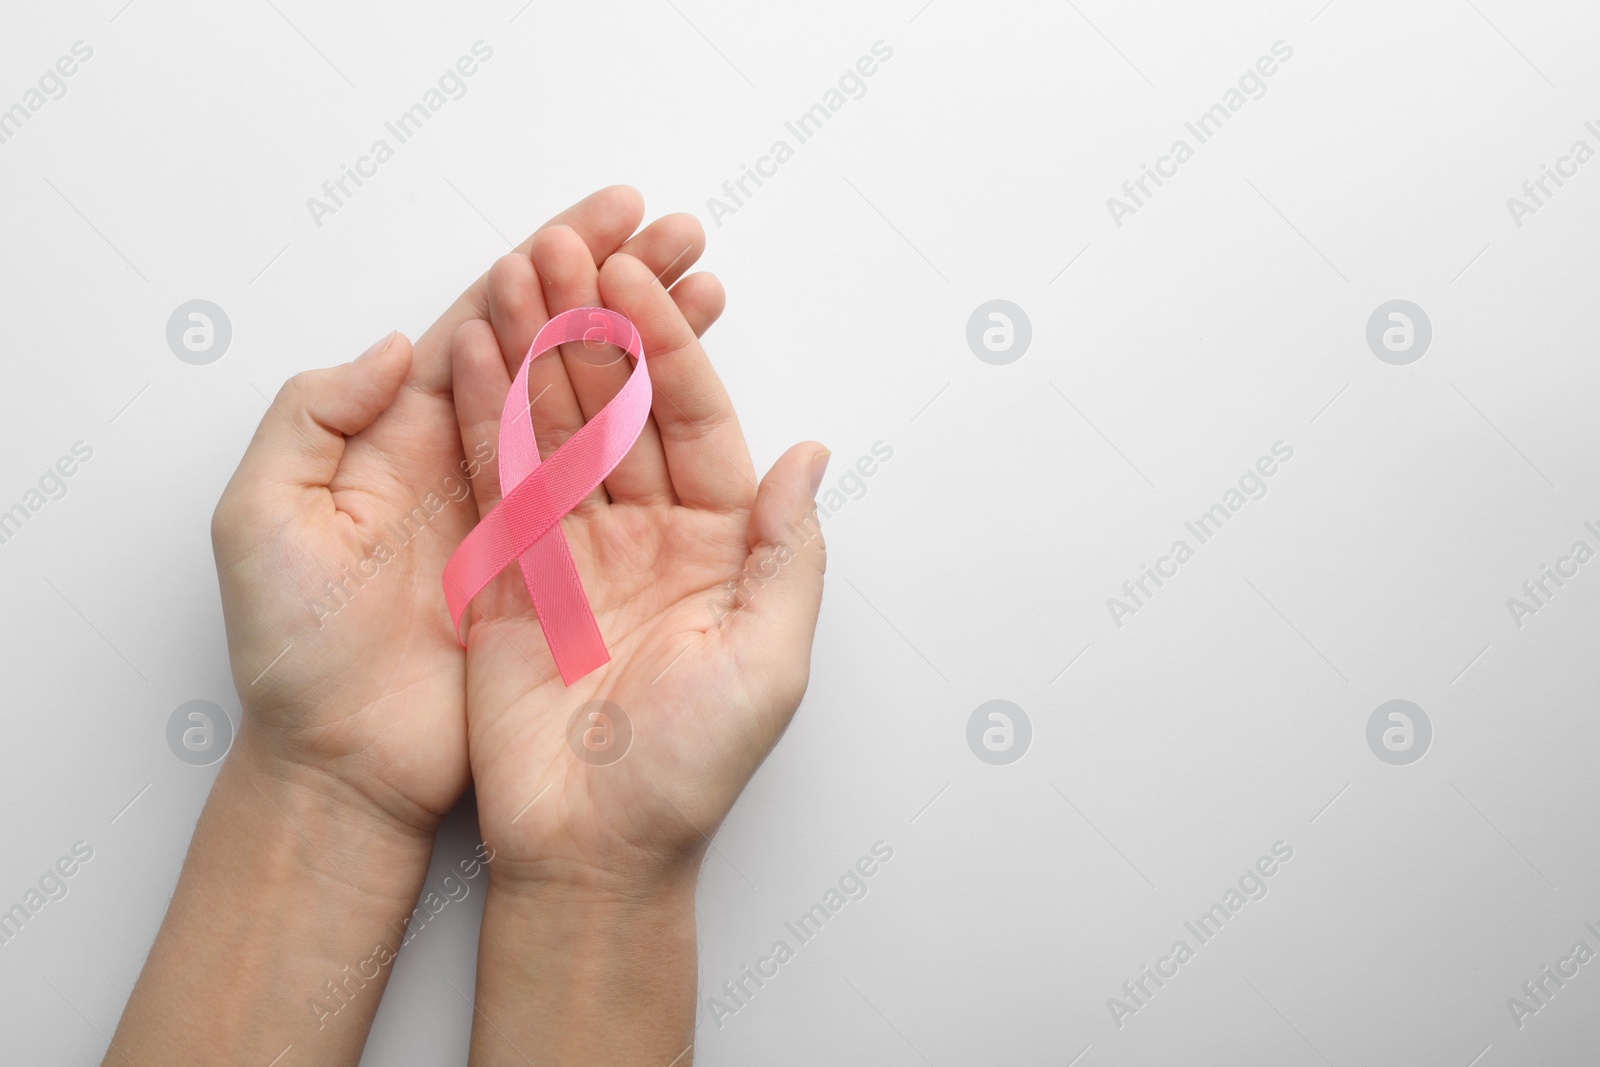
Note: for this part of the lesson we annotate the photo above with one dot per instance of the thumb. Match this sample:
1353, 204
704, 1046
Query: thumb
780, 591
301, 438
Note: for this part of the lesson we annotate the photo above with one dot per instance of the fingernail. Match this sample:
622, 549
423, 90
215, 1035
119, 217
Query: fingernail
819, 467
379, 347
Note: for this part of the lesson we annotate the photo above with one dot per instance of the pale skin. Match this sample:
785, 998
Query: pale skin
311, 850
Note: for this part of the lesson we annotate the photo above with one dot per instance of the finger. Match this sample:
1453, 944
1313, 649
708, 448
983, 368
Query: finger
598, 371
480, 386
517, 311
517, 306
301, 438
700, 435
603, 219
669, 246
701, 298
778, 595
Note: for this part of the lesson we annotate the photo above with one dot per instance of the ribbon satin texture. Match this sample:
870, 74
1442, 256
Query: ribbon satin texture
526, 525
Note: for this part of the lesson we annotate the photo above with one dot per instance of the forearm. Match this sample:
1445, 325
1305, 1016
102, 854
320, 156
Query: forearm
283, 929
570, 978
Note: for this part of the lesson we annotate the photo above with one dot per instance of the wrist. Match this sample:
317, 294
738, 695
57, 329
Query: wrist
308, 823
352, 793
291, 896
622, 875
554, 957
562, 888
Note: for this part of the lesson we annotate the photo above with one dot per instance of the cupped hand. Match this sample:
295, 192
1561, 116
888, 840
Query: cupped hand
705, 585
331, 536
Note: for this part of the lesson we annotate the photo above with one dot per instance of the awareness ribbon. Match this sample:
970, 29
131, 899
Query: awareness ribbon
526, 525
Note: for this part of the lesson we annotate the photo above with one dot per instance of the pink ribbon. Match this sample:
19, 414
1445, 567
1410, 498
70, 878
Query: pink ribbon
526, 525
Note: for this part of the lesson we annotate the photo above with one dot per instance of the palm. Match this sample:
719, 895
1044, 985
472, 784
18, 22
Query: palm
340, 640
402, 711
334, 644
678, 527
656, 579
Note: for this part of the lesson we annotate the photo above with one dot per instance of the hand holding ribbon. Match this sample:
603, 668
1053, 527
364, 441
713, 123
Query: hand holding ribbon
526, 525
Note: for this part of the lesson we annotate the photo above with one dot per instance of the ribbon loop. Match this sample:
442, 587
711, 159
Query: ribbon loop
526, 525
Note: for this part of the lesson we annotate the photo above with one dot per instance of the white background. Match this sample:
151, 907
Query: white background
1227, 314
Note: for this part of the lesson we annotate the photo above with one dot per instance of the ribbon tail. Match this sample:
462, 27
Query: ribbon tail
564, 613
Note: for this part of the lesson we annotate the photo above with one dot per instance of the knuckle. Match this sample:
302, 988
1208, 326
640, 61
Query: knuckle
505, 274
297, 390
